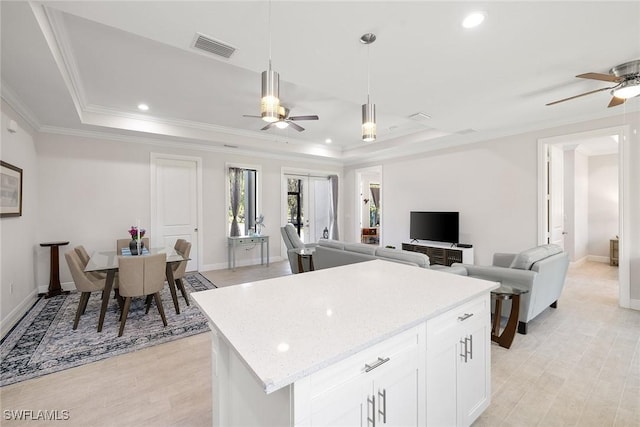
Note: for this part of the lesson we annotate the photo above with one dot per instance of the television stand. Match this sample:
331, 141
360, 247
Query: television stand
441, 253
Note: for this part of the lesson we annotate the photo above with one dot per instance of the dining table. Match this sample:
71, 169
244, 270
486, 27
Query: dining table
107, 261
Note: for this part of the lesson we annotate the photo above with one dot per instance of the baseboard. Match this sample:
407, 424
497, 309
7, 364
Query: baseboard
243, 263
579, 261
634, 304
598, 258
16, 314
66, 286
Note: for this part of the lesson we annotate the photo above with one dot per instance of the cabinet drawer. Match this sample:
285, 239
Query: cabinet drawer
457, 318
353, 366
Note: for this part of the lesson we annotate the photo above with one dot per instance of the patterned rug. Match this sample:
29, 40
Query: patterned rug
44, 342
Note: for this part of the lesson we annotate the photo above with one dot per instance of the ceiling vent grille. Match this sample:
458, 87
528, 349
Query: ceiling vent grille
215, 47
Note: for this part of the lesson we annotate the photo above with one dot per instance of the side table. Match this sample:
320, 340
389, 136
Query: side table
305, 253
54, 275
506, 292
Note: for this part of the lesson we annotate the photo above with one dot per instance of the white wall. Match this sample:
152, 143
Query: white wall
603, 203
92, 190
19, 244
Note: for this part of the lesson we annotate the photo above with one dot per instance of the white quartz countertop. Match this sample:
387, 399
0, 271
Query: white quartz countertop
289, 327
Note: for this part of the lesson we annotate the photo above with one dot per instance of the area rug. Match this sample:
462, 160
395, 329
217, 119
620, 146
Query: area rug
44, 341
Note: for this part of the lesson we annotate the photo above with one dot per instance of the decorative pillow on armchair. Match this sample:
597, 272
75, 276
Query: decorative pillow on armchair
525, 259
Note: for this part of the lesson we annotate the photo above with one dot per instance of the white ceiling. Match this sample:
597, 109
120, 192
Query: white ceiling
84, 67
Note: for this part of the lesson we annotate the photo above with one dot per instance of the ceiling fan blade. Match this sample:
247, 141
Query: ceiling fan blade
295, 126
268, 126
249, 115
312, 117
599, 76
578, 96
616, 101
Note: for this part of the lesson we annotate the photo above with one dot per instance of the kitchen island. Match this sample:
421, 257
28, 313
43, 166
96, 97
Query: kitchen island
363, 344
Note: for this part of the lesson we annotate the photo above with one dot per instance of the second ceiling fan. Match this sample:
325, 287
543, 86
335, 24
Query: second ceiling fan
285, 120
627, 77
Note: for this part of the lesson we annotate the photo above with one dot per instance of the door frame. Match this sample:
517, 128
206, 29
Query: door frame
153, 203
624, 194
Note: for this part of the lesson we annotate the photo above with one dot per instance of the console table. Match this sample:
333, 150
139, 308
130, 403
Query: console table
441, 254
234, 242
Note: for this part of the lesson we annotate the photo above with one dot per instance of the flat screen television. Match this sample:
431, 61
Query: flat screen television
434, 226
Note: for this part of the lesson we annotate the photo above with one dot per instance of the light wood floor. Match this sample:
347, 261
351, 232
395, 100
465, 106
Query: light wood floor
579, 365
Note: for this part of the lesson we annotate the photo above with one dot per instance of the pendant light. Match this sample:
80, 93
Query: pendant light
368, 109
270, 100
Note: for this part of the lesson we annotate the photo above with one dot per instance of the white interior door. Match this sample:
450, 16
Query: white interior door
176, 213
555, 196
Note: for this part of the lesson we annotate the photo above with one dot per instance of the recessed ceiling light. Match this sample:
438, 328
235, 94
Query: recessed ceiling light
473, 19
143, 107
328, 141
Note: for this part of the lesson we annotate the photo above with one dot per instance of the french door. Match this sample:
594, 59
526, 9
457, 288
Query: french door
307, 205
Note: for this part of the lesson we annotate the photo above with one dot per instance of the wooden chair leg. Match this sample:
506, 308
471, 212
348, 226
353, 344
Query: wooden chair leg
148, 303
124, 314
180, 285
160, 307
80, 309
84, 299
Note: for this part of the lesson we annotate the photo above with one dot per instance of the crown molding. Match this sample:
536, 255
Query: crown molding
10, 97
186, 145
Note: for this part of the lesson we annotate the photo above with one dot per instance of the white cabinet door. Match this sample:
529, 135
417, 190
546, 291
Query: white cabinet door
458, 368
396, 390
474, 377
344, 405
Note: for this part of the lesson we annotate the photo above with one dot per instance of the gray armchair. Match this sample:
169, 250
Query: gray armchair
540, 270
292, 242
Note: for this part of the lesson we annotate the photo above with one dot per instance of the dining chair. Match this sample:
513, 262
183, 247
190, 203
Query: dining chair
84, 260
83, 282
179, 268
139, 277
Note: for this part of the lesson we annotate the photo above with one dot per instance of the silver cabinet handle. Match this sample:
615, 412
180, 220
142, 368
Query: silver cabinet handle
464, 317
470, 347
383, 406
463, 353
371, 401
375, 364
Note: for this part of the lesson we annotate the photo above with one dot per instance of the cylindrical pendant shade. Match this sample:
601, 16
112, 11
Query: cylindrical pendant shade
270, 101
368, 122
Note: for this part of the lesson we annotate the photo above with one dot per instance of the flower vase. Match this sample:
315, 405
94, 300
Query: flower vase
133, 246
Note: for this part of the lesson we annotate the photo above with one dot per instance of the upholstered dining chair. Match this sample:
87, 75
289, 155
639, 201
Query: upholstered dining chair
84, 283
140, 276
124, 243
84, 260
179, 268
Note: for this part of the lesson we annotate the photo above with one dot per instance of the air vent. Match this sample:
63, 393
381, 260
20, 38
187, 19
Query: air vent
215, 47
420, 117
466, 131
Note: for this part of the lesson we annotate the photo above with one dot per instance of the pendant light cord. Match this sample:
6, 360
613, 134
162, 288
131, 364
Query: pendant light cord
269, 33
368, 71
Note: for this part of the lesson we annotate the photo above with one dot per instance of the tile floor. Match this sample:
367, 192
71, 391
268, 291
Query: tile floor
579, 365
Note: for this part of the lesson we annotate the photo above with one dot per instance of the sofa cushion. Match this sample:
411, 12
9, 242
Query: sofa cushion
525, 259
360, 248
416, 258
335, 244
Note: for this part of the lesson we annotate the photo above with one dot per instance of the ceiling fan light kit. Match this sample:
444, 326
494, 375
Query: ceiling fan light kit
270, 101
368, 109
627, 89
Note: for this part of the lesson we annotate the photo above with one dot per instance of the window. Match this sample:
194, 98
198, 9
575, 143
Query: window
243, 200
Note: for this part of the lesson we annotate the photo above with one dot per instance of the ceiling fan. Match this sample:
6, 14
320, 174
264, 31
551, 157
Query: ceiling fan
284, 120
627, 77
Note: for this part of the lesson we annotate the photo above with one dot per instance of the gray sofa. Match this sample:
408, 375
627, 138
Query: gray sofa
333, 253
540, 270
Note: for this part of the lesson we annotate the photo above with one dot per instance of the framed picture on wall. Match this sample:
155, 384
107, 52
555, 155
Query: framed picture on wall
10, 190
